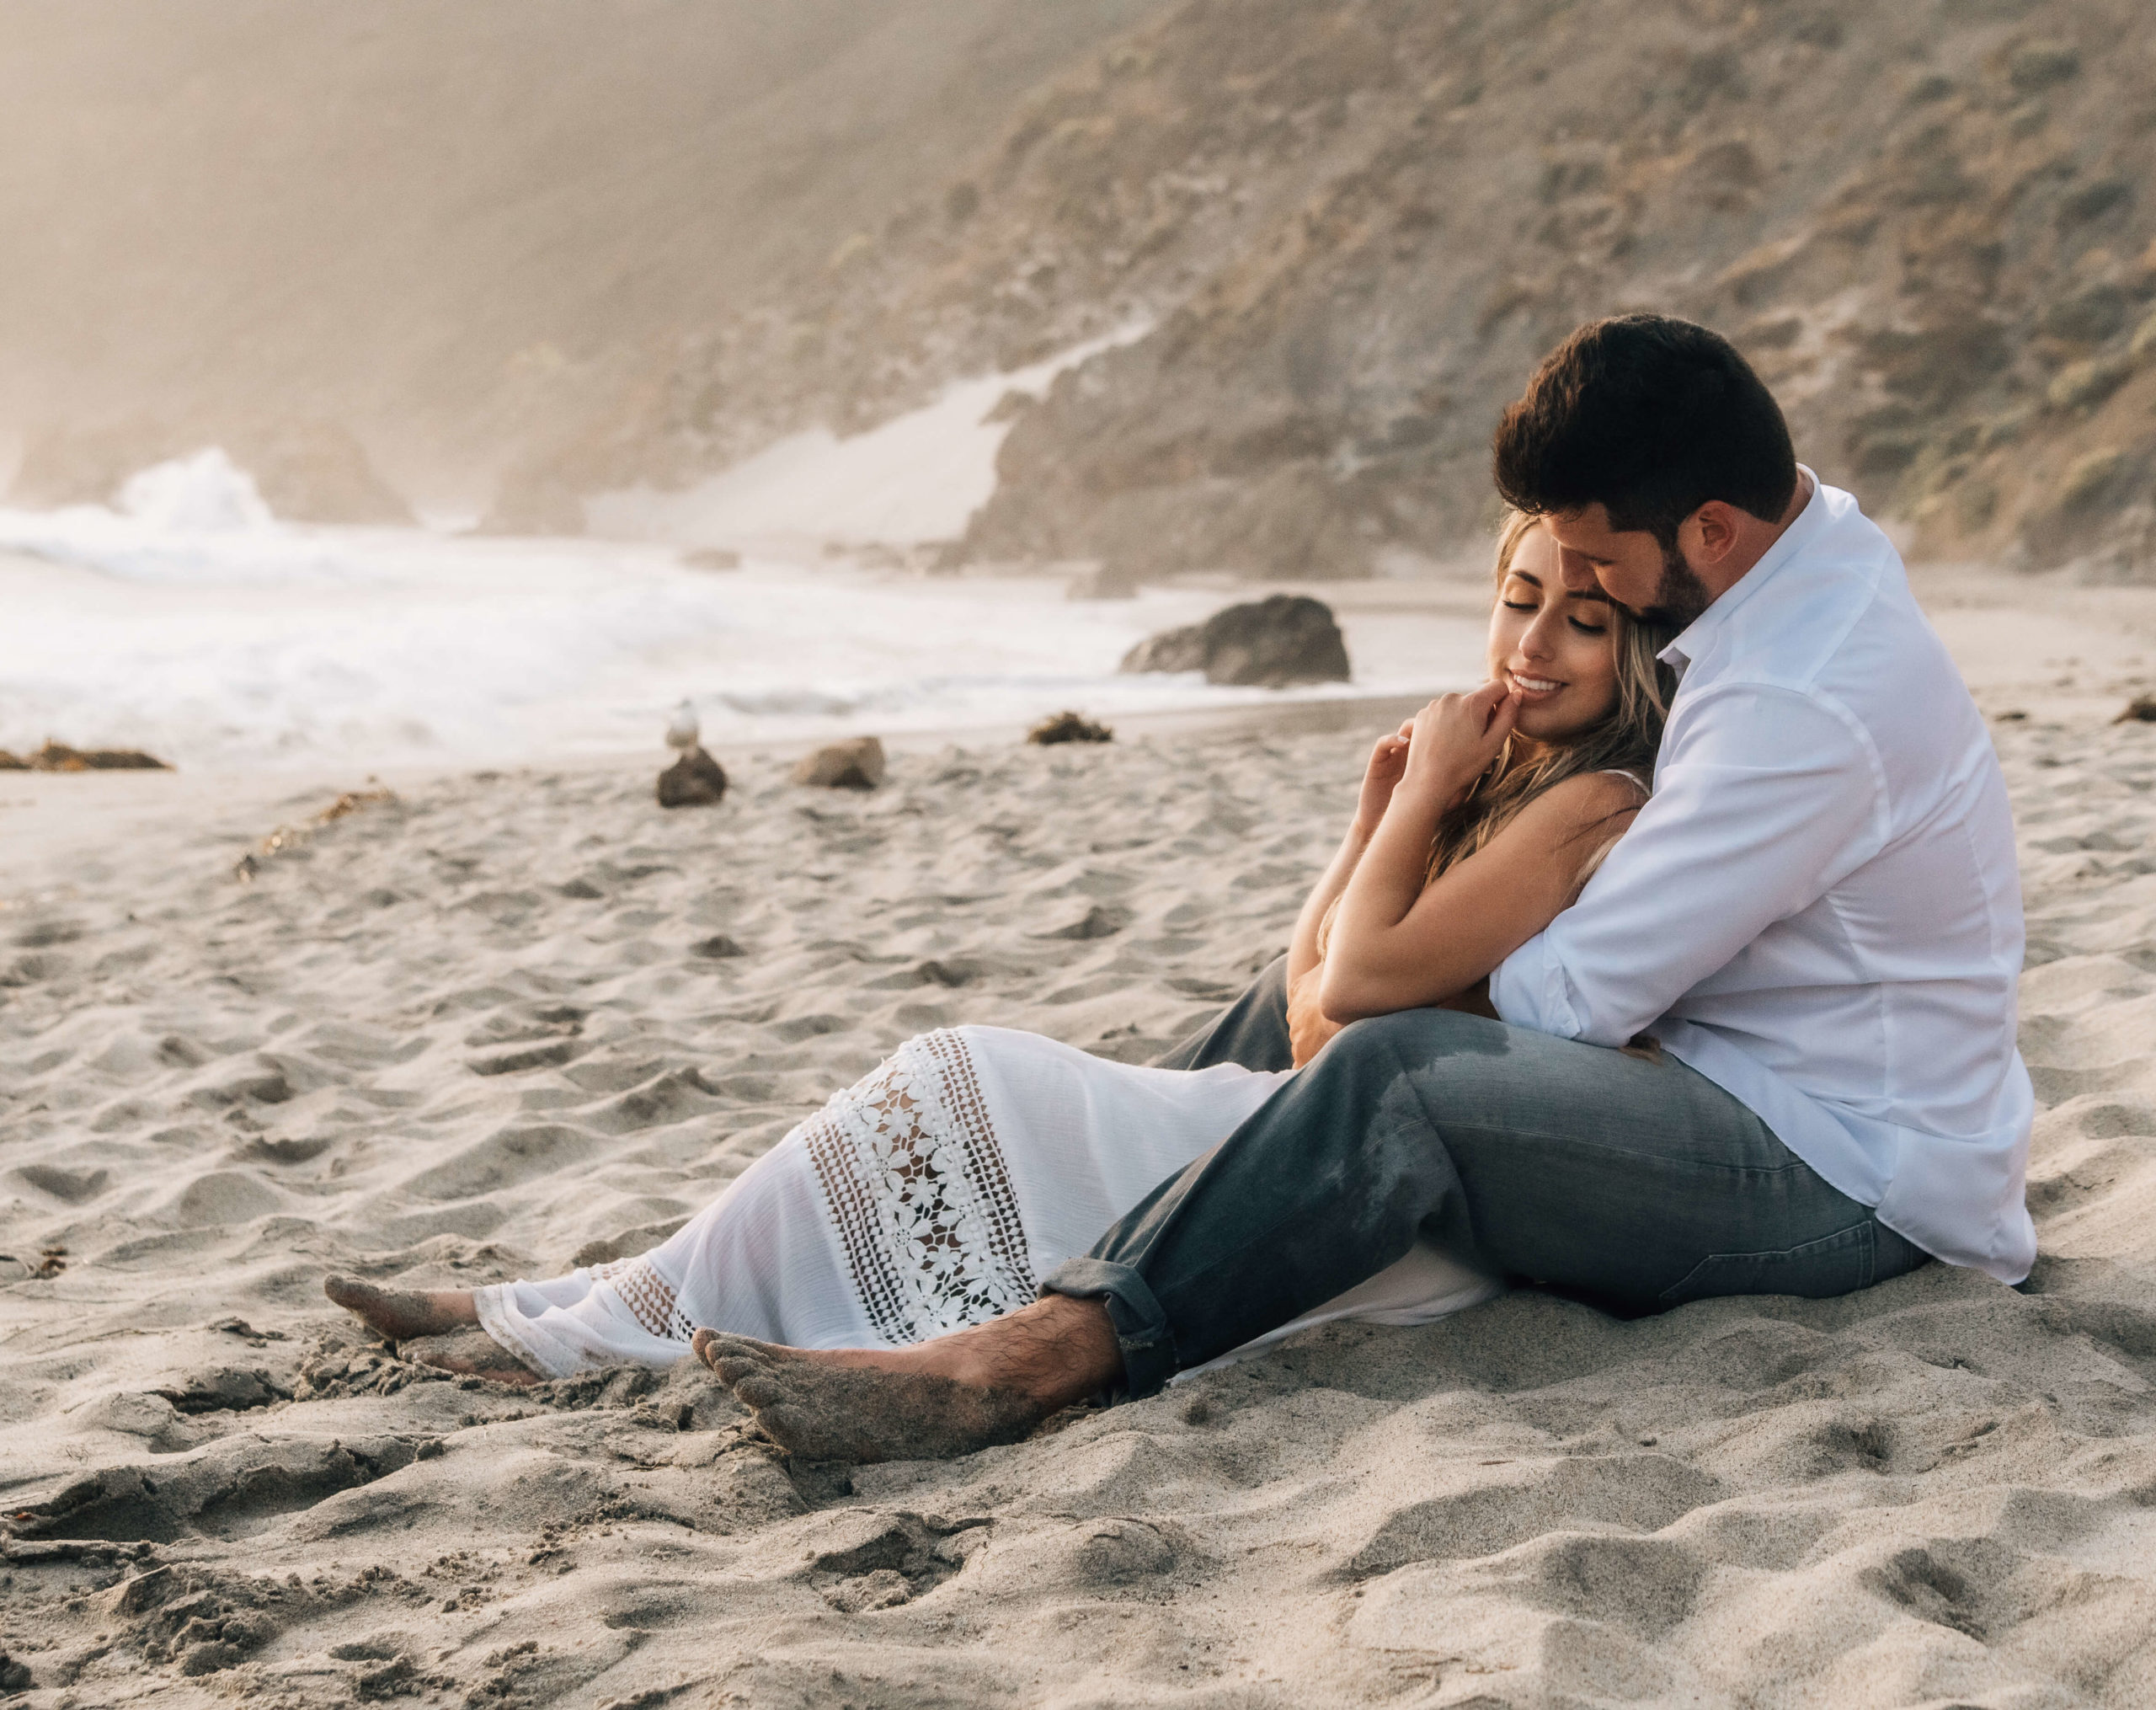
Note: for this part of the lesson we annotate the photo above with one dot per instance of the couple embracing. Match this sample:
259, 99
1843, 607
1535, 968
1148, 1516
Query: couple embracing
1678, 960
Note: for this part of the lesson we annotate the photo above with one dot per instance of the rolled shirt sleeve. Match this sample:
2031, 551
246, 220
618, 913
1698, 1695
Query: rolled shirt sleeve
1764, 797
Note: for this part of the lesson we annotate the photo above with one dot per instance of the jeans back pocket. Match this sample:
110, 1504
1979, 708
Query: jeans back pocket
1838, 1264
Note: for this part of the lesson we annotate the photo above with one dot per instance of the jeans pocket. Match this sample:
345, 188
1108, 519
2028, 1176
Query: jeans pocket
1834, 1265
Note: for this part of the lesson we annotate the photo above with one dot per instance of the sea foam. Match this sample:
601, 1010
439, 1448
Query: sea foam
188, 620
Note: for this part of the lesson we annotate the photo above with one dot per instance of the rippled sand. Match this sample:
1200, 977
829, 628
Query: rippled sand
473, 1032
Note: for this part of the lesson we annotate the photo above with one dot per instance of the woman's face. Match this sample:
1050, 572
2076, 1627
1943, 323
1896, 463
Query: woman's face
1553, 648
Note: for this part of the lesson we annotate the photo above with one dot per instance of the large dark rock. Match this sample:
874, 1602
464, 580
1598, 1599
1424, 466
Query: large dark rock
1172, 650
695, 780
1268, 643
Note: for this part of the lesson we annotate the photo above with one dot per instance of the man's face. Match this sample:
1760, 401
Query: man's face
1631, 566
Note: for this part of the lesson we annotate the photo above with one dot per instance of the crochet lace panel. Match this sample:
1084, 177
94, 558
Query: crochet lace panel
917, 1189
647, 1296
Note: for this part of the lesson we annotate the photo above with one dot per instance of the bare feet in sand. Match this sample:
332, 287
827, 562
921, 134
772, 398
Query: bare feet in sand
470, 1353
992, 1383
437, 1326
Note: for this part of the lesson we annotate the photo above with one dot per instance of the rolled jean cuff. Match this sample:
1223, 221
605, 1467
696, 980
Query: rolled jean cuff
1141, 1327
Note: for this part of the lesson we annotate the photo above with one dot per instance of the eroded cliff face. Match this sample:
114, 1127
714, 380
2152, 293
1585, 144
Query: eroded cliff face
434, 239
1355, 226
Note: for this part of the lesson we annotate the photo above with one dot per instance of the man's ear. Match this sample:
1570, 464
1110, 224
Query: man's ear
1709, 534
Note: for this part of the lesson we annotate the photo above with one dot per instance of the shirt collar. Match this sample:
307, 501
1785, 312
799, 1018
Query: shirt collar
1698, 634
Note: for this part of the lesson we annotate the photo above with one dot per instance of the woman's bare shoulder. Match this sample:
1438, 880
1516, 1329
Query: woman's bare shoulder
1560, 836
1586, 799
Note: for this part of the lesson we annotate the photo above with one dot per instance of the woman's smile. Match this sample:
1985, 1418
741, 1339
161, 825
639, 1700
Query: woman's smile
1551, 646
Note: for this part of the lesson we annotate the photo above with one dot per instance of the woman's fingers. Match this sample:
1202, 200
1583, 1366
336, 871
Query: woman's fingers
1488, 702
1502, 721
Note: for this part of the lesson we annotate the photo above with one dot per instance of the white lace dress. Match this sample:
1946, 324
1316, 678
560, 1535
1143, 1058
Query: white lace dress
932, 1194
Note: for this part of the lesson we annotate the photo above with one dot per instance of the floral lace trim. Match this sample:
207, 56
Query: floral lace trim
917, 1188
648, 1296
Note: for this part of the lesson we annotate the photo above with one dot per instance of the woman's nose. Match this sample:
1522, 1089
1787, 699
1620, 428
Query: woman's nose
1540, 640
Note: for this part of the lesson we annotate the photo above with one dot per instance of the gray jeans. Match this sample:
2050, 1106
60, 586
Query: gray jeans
1637, 1183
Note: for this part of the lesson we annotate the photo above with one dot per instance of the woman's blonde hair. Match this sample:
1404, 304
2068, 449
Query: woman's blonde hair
1624, 742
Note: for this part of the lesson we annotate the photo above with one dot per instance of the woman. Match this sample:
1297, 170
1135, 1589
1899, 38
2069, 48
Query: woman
934, 1192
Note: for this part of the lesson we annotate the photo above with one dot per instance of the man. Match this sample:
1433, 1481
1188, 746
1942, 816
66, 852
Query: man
1816, 919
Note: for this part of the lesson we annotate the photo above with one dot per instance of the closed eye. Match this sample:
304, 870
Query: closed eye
1589, 629
1518, 605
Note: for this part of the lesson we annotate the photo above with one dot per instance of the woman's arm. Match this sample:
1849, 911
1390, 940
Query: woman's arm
1388, 763
1398, 943
1308, 1029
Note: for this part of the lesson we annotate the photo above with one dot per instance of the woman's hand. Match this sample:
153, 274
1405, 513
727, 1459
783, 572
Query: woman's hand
1453, 739
1308, 1030
1388, 766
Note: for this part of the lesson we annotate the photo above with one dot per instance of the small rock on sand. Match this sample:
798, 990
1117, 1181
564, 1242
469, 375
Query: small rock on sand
1267, 643
857, 764
1069, 727
2140, 710
695, 780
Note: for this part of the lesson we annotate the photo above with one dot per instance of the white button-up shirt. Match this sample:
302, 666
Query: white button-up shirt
1819, 909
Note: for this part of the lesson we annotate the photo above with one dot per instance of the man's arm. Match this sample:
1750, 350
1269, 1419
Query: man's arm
1764, 798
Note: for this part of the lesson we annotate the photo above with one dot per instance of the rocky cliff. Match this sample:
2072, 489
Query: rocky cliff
435, 238
1354, 224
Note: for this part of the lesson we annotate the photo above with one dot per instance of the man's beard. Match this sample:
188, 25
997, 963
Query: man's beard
1680, 596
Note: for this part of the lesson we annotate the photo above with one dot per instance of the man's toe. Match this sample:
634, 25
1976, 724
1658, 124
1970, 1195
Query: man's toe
732, 1356
759, 1389
807, 1433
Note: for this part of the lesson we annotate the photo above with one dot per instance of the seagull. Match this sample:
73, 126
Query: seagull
682, 732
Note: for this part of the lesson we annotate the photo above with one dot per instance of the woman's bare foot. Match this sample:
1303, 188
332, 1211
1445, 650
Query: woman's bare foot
436, 1327
992, 1383
403, 1314
470, 1353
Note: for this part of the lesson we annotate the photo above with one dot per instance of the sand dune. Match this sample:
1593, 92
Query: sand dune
476, 1030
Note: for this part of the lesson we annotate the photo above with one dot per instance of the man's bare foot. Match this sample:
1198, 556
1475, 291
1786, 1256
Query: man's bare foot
989, 1384
401, 1314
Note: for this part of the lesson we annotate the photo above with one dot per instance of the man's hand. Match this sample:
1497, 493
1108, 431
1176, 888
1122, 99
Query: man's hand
1308, 1029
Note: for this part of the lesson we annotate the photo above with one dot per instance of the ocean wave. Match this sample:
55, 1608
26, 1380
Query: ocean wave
273, 645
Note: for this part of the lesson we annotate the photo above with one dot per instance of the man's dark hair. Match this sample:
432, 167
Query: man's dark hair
1649, 417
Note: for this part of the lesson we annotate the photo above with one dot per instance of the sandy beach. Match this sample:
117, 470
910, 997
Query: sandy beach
504, 1019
